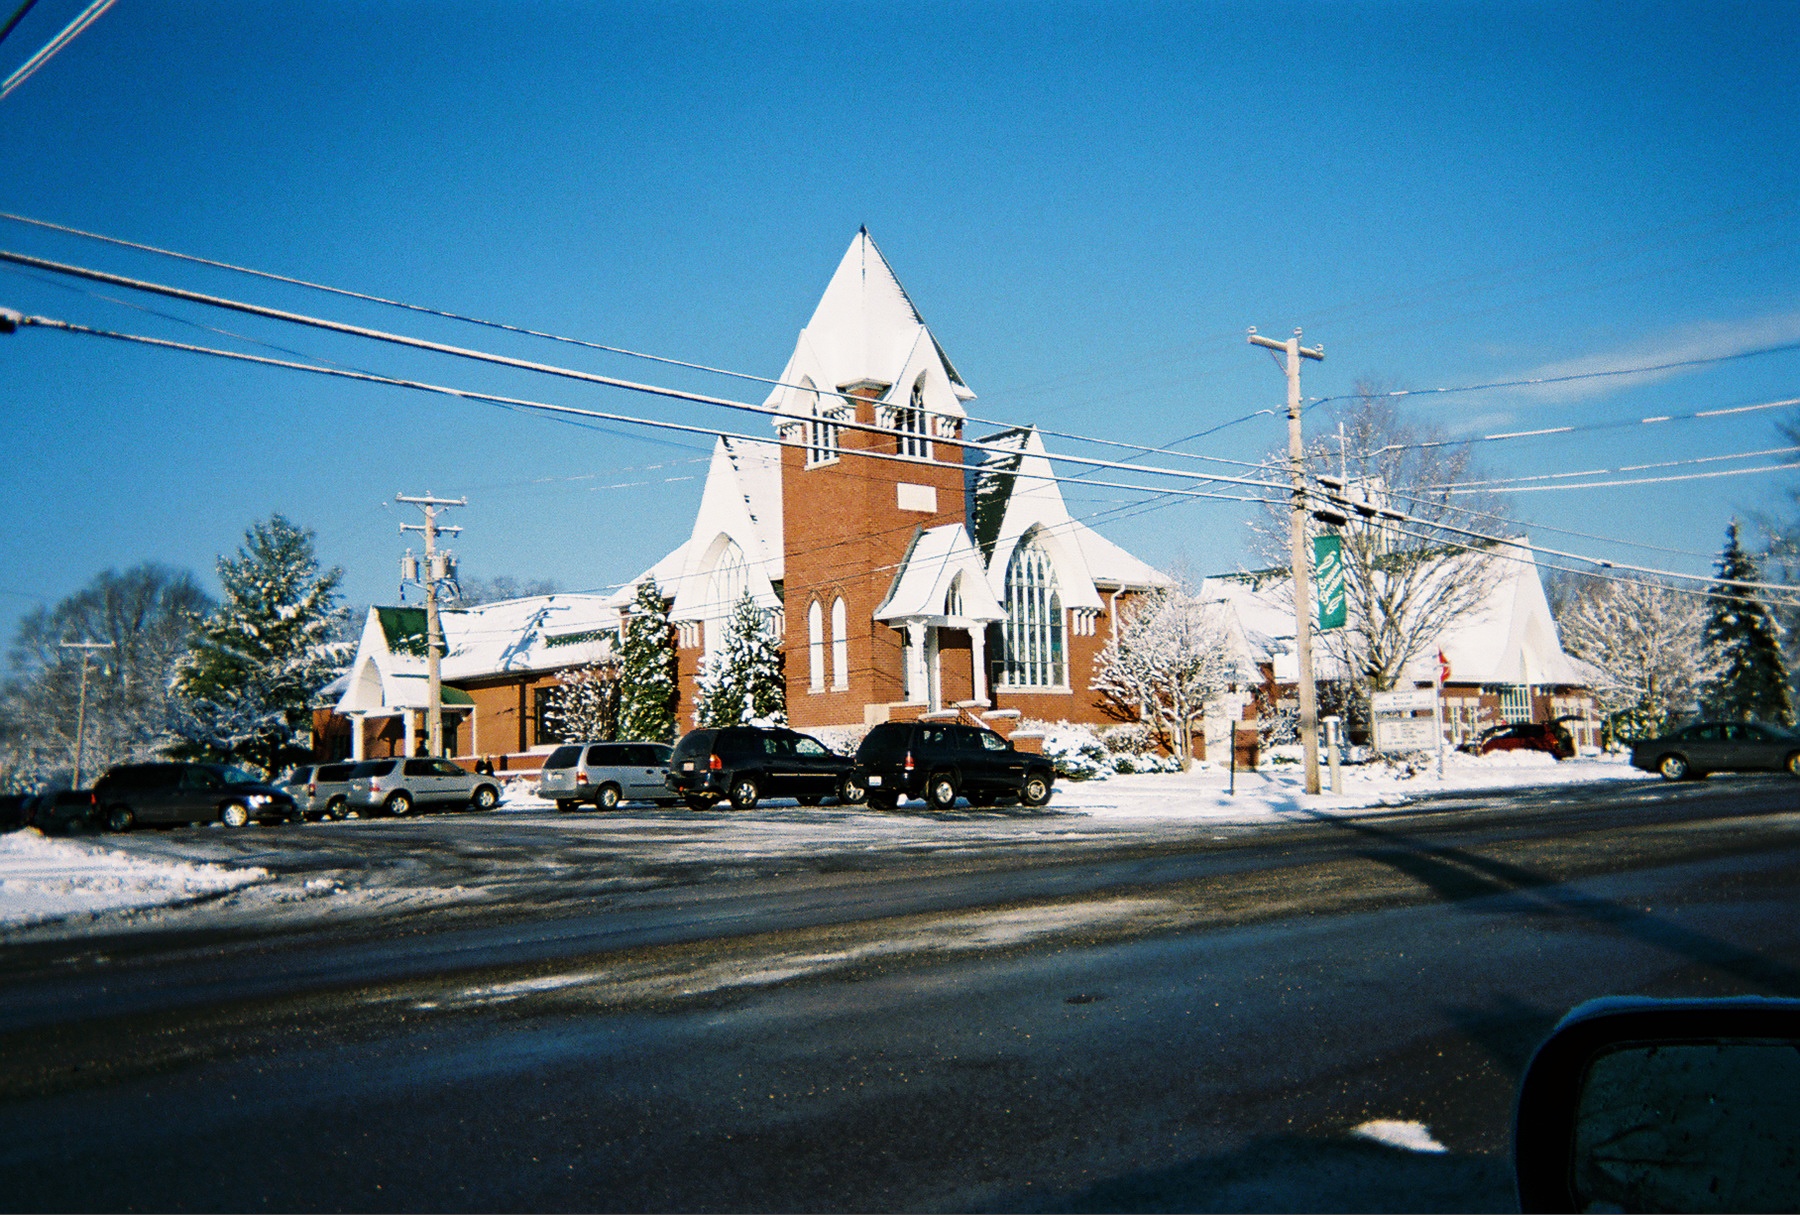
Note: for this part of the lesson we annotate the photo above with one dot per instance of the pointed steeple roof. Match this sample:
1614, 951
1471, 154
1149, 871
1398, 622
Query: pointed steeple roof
865, 328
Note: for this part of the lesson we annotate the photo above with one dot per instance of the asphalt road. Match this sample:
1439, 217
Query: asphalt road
1194, 1022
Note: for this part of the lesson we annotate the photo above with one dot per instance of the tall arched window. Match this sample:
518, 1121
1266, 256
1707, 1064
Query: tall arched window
912, 423
730, 582
953, 605
840, 646
1034, 623
821, 429
815, 647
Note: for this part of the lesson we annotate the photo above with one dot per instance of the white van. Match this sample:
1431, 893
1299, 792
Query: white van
606, 773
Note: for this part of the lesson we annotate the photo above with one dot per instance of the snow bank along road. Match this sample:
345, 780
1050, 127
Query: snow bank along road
989, 1010
985, 1010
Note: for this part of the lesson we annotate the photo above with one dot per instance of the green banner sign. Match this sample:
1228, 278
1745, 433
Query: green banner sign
1328, 580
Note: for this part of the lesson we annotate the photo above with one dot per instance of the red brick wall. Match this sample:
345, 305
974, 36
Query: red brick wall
845, 535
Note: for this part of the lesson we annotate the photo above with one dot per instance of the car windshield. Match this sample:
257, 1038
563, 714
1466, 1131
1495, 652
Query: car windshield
238, 776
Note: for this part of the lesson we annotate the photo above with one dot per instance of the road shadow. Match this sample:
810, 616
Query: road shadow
1458, 875
1292, 1173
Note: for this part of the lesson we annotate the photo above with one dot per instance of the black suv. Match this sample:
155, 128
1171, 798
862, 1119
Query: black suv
749, 763
189, 793
939, 761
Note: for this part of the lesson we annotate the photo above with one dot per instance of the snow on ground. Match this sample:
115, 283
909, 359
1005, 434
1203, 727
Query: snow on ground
60, 885
45, 879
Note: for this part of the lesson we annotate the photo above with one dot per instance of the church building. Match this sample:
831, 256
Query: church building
908, 565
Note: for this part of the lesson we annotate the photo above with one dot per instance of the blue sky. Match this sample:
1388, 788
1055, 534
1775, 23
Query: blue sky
1089, 203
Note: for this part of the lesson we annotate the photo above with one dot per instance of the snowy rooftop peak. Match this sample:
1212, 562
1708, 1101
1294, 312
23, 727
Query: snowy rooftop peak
866, 329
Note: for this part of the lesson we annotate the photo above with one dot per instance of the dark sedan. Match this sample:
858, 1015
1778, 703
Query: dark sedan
1549, 737
1719, 746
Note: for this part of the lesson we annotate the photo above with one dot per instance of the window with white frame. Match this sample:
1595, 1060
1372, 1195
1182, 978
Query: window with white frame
953, 601
1034, 619
913, 424
840, 646
821, 427
815, 647
1515, 702
730, 582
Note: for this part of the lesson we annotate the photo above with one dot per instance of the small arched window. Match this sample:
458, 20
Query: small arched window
953, 603
815, 647
821, 428
912, 421
1034, 619
840, 646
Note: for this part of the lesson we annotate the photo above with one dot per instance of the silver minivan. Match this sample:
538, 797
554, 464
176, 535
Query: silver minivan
397, 786
606, 773
323, 790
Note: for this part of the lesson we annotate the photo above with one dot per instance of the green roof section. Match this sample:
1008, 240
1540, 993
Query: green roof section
454, 696
404, 628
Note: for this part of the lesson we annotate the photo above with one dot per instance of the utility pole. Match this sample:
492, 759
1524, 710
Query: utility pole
87, 649
1300, 555
438, 569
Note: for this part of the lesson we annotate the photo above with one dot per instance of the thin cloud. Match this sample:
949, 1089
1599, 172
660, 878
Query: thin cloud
1703, 340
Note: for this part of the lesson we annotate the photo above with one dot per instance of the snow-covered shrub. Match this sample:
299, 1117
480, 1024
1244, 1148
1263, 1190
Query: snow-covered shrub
1129, 738
842, 739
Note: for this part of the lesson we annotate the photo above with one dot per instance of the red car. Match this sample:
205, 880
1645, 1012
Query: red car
1550, 738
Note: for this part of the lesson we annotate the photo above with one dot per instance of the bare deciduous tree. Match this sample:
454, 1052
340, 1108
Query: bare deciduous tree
1171, 655
1408, 582
1647, 646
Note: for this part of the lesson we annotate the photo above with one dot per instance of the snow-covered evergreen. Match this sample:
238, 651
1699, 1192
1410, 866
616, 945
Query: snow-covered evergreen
743, 681
1751, 679
244, 690
586, 706
647, 669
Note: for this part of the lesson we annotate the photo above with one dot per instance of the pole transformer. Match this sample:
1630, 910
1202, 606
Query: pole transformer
437, 570
1300, 555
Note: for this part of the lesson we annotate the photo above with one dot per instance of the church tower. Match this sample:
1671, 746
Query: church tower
856, 501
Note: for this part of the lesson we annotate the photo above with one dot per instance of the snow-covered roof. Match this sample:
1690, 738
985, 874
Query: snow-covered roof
1512, 639
739, 508
866, 330
937, 558
1014, 494
512, 636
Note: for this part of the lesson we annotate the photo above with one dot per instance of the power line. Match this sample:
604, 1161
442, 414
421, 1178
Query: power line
66, 35
1468, 486
541, 368
1592, 427
1669, 480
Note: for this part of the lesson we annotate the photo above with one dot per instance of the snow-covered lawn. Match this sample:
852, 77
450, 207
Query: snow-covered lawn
53, 879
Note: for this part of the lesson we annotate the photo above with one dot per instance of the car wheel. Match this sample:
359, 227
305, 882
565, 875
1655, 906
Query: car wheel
607, 798
1673, 767
485, 798
565, 805
234, 814
744, 792
940, 792
1793, 763
120, 818
338, 810
399, 805
699, 803
884, 801
1035, 791
852, 792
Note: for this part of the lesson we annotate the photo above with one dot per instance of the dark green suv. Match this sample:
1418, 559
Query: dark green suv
941, 761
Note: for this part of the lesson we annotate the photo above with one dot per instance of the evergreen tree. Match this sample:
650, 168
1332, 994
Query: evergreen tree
648, 689
245, 688
586, 706
744, 682
1751, 678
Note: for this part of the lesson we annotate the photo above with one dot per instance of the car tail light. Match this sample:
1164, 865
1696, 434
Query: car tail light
581, 776
715, 763
909, 761
311, 790
374, 786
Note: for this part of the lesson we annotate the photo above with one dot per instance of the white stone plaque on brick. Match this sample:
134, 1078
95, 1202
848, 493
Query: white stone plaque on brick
922, 498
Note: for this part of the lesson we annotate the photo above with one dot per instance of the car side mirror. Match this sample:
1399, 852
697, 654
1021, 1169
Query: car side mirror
1663, 1105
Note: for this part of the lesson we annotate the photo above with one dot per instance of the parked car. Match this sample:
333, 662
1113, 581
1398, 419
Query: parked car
607, 773
189, 793
941, 761
323, 790
398, 786
750, 763
1552, 738
15, 811
1719, 746
65, 810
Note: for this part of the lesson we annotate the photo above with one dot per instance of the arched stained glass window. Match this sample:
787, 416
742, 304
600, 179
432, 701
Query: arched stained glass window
730, 582
815, 647
1034, 619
